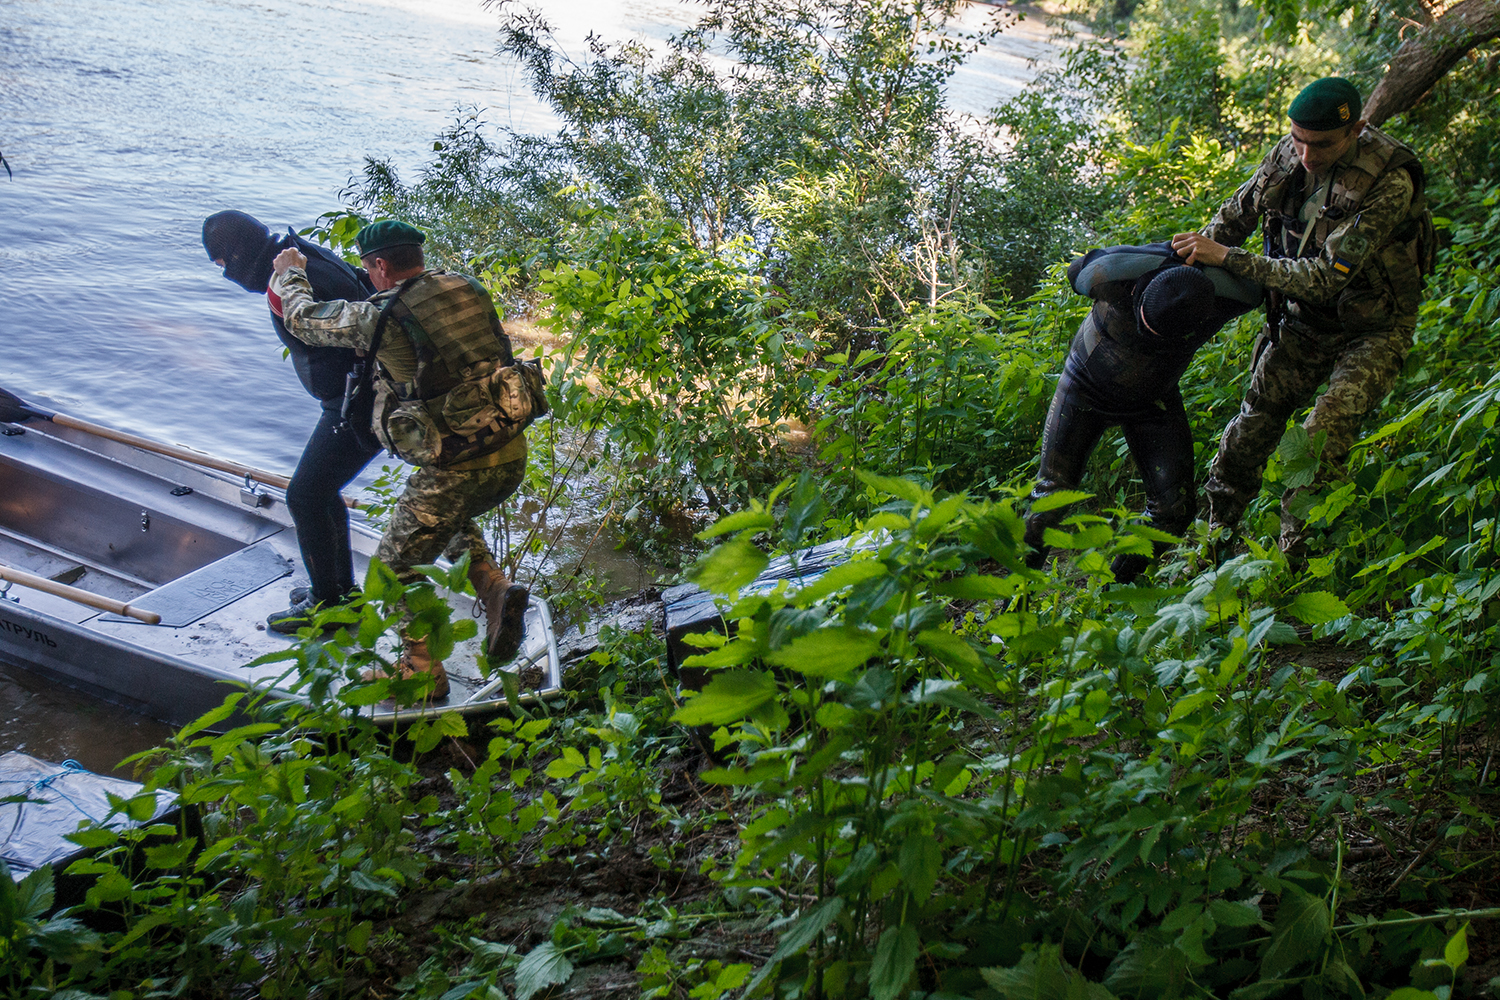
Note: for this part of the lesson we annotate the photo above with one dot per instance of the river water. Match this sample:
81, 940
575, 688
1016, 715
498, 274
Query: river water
127, 122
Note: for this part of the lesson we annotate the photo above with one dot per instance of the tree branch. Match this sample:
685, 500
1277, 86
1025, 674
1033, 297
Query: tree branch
1423, 59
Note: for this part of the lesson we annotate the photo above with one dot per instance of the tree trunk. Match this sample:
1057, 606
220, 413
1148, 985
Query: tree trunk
1423, 58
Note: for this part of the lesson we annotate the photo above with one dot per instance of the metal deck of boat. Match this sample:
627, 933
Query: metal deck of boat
168, 536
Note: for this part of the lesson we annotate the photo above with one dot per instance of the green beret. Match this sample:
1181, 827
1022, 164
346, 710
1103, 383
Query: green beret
1326, 104
388, 233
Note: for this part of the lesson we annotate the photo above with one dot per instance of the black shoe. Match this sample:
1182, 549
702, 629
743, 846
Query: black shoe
295, 618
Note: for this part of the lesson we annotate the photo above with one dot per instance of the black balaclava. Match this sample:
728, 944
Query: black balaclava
1176, 303
244, 245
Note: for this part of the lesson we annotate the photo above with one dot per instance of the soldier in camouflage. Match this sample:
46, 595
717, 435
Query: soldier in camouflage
425, 327
1347, 236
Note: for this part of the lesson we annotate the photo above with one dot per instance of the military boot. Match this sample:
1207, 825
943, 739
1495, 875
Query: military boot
1293, 540
504, 606
415, 660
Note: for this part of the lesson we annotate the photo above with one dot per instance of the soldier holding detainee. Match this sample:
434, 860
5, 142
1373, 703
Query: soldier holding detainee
1347, 239
442, 355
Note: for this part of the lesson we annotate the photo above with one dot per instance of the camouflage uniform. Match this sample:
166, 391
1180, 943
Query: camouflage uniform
1351, 284
435, 513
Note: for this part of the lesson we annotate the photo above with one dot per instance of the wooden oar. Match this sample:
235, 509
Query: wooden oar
77, 596
15, 410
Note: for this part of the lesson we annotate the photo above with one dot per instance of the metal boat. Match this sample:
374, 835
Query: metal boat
210, 553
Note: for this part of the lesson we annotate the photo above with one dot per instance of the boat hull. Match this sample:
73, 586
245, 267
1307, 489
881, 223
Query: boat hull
214, 556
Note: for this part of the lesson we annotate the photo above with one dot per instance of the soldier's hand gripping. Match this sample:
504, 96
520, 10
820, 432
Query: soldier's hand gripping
290, 257
1199, 249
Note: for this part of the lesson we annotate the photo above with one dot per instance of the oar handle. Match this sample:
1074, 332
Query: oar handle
186, 454
77, 596
14, 408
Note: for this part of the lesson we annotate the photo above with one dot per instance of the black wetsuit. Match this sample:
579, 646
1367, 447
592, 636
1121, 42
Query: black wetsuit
1118, 373
336, 450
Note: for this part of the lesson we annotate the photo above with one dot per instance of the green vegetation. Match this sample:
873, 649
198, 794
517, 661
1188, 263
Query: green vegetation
937, 773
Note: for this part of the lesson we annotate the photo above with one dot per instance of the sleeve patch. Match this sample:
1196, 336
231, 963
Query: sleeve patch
1354, 244
1342, 266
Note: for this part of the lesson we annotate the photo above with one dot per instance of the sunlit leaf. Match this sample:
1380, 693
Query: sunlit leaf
845, 575
1317, 607
729, 566
1061, 498
905, 489
729, 697
745, 520
826, 652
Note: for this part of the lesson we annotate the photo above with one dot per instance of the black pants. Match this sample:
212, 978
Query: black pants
331, 459
1160, 440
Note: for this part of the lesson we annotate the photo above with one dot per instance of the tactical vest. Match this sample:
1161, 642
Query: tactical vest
468, 397
1387, 287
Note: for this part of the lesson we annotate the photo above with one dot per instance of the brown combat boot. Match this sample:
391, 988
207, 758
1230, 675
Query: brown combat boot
416, 660
504, 606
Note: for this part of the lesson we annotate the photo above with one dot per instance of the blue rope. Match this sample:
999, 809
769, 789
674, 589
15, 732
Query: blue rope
68, 767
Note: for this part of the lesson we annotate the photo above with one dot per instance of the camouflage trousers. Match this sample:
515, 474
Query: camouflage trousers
435, 515
1359, 369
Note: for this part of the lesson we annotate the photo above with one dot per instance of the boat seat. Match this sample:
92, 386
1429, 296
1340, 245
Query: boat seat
188, 598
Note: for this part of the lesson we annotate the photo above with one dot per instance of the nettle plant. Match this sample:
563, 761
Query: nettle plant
978, 776
295, 833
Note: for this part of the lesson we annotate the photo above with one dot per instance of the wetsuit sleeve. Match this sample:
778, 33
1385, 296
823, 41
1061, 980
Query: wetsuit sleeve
336, 323
1099, 273
1235, 289
1320, 279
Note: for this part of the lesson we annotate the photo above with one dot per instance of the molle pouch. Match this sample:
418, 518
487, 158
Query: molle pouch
467, 407
511, 397
536, 385
406, 429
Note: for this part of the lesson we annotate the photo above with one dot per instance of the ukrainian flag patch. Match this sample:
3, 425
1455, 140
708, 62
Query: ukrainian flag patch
1342, 266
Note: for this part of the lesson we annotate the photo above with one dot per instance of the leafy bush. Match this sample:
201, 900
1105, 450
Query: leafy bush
677, 352
974, 779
